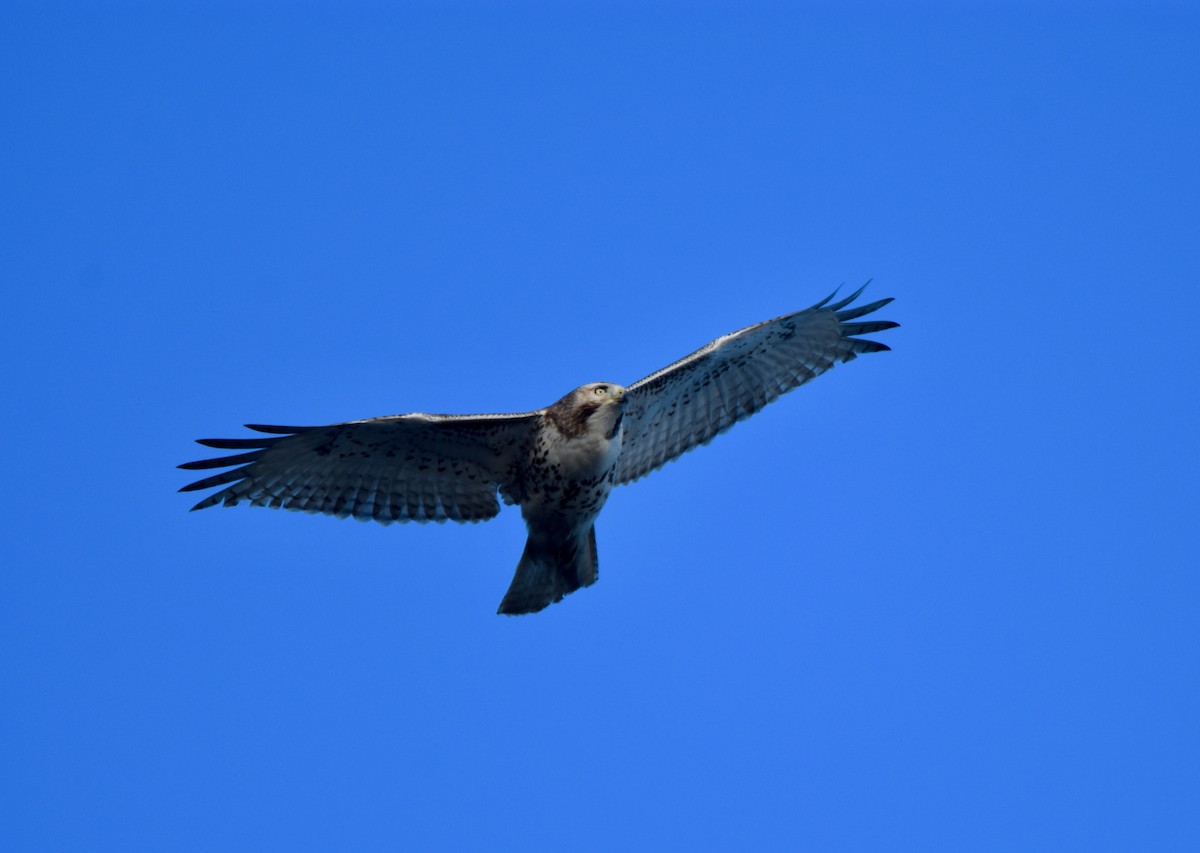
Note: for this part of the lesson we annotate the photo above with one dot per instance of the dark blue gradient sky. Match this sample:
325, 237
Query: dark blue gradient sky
943, 598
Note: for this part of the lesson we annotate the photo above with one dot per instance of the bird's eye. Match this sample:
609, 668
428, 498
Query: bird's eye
601, 391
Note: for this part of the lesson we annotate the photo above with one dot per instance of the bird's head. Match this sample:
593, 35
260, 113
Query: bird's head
595, 407
603, 392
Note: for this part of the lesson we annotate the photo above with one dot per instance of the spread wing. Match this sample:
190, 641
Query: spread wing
413, 467
688, 403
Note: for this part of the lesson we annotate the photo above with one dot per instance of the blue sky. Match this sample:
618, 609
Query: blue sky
942, 598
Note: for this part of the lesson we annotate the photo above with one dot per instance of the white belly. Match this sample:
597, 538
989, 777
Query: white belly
569, 480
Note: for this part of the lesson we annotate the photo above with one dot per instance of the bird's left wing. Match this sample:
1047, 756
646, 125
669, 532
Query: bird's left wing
413, 467
691, 401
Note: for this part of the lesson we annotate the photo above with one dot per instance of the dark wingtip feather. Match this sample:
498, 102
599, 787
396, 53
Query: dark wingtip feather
277, 430
825, 301
216, 480
860, 310
236, 443
211, 500
850, 331
222, 462
838, 306
853, 330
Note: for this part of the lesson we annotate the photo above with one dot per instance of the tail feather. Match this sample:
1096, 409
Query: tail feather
550, 568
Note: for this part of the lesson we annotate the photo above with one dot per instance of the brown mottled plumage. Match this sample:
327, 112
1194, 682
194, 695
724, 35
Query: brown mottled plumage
559, 463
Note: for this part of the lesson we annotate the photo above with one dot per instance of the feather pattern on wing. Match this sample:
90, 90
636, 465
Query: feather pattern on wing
414, 467
689, 402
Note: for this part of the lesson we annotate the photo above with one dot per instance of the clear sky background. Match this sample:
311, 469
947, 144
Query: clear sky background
943, 598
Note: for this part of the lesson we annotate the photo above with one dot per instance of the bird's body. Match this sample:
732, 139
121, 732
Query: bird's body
559, 463
569, 473
573, 462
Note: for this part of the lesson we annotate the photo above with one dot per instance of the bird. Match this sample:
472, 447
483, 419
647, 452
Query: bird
558, 463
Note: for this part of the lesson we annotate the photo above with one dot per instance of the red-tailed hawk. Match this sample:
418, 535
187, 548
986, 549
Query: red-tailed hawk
559, 463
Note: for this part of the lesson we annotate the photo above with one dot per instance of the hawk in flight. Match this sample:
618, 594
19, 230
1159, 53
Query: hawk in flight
558, 463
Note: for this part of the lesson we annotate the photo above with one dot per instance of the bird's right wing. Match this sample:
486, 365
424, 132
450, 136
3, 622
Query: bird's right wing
413, 467
696, 398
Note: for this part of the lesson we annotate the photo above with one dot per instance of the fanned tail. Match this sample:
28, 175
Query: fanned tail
551, 567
